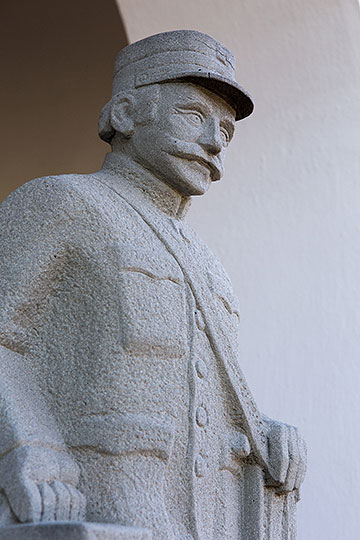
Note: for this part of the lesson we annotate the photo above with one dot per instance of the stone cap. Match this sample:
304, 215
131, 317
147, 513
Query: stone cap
180, 55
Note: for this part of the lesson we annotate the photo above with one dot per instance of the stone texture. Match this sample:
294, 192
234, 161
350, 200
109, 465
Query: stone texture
122, 397
73, 531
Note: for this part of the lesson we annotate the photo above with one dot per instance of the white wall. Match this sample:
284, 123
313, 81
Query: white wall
285, 221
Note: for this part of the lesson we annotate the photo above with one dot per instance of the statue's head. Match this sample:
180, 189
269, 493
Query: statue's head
173, 108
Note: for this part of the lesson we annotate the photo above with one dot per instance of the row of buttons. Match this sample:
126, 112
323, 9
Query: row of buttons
201, 368
201, 415
200, 466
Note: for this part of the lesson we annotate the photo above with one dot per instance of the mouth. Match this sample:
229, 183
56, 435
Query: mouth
215, 171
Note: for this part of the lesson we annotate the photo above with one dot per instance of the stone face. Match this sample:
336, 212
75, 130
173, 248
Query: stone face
121, 397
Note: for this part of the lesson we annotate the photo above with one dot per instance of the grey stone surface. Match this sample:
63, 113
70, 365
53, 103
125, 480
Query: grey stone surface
73, 531
121, 397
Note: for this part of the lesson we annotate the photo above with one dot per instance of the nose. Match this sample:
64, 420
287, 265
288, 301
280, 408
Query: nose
210, 139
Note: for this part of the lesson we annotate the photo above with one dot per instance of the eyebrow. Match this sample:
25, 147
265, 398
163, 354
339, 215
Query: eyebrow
190, 102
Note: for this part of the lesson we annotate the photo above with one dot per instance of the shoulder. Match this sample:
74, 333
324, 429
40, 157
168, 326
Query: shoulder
75, 213
59, 202
51, 194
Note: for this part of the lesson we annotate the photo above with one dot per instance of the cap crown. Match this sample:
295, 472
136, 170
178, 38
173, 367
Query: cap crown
178, 56
170, 55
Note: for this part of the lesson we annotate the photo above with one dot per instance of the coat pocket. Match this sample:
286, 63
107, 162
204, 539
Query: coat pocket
123, 434
152, 314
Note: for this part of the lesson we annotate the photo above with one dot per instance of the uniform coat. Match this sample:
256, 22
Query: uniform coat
129, 325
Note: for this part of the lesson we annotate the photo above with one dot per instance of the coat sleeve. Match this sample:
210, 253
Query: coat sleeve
24, 417
36, 235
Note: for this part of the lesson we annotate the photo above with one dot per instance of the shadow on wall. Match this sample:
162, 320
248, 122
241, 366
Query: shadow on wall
56, 75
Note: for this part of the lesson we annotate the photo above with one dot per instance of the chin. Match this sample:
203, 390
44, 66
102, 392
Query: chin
195, 182
201, 188
192, 187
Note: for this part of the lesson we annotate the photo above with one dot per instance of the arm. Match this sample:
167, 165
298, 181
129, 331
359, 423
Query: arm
37, 474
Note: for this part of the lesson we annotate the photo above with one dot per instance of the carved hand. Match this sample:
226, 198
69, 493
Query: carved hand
39, 484
287, 455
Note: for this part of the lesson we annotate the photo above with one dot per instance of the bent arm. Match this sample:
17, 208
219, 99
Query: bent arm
37, 474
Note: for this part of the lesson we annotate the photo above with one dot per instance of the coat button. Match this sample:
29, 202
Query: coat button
241, 446
201, 368
200, 466
201, 417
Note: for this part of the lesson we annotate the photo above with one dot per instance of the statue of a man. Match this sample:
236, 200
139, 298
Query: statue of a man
121, 389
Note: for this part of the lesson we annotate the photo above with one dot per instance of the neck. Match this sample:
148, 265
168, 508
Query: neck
165, 198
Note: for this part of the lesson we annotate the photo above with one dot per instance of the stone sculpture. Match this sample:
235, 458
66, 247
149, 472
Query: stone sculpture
122, 398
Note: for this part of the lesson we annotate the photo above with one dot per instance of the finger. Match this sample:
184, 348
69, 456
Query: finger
7, 516
77, 504
48, 500
82, 506
302, 463
294, 458
25, 500
278, 449
63, 501
74, 503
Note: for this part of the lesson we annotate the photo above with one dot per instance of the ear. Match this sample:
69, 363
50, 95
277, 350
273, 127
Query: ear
122, 115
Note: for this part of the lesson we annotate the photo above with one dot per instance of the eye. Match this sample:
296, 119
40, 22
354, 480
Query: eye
225, 136
194, 117
191, 115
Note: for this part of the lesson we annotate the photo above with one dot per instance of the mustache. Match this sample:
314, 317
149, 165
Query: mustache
193, 152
